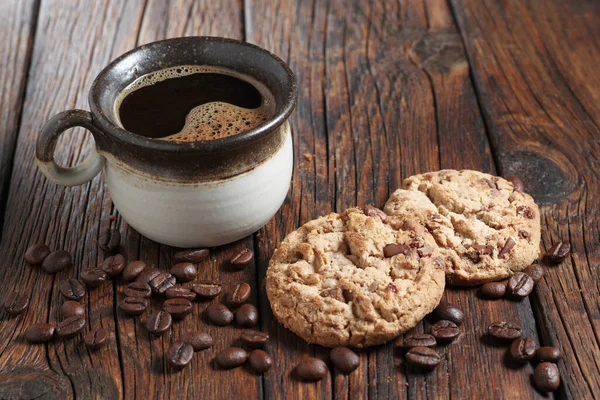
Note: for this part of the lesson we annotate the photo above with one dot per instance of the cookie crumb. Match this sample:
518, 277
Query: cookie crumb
308, 156
111, 217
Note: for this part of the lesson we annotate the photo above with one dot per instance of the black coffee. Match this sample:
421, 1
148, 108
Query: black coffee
191, 103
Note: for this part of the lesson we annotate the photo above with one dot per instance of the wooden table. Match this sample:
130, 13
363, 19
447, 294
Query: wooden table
387, 89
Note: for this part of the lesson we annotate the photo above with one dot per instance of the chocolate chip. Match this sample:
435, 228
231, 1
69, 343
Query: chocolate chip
198, 340
109, 240
36, 254
93, 277
504, 331
113, 265
391, 250
254, 339
517, 182
242, 258
206, 290
348, 295
523, 234
447, 311
15, 303
334, 293
520, 285
39, 333
71, 289
133, 270
375, 213
522, 349
239, 295
493, 290
373, 286
558, 252
419, 340
219, 314
311, 369
423, 358
192, 256
159, 322
526, 212
70, 327
344, 359
57, 261
259, 361
184, 271
138, 289
546, 377
508, 245
179, 354
181, 292
96, 339
444, 331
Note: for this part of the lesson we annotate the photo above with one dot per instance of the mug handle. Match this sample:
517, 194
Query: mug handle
46, 143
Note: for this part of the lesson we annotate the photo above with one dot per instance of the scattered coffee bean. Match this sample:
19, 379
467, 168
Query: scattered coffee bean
423, 357
71, 289
239, 295
133, 269
109, 240
147, 275
522, 349
179, 354
39, 333
259, 361
133, 305
231, 357
96, 339
546, 377
184, 271
517, 182
72, 308
558, 252
138, 289
180, 292
375, 212
444, 331
162, 282
344, 359
246, 316
449, 312
535, 271
548, 353
520, 285
70, 327
198, 340
15, 303
242, 258
504, 331
159, 322
207, 290
508, 245
57, 261
179, 308
36, 254
311, 369
192, 256
419, 340
493, 290
219, 314
113, 265
254, 339
393, 249
93, 277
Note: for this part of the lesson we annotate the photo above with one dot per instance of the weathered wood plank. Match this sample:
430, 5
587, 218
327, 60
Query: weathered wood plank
533, 65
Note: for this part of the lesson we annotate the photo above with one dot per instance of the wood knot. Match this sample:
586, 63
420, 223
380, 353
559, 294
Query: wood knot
30, 384
440, 51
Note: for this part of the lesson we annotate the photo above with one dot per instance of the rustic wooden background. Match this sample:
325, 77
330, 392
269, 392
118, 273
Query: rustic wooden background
387, 89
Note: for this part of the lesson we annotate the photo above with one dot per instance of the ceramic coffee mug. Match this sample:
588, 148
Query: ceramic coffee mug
203, 193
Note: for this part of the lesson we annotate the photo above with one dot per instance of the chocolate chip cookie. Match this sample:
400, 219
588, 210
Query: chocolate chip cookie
485, 228
352, 279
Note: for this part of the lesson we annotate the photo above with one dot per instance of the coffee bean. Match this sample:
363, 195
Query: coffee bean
504, 331
444, 331
70, 327
546, 377
548, 353
522, 349
449, 312
423, 357
239, 295
254, 339
419, 340
246, 316
219, 314
96, 339
109, 240
15, 303
39, 333
36, 254
57, 261
184, 271
138, 289
162, 282
375, 213
517, 182
179, 308
180, 292
493, 290
93, 277
179, 354
535, 271
520, 285
558, 252
344, 359
72, 308
393, 249
242, 258
311, 369
71, 289
133, 305
198, 340
113, 265
231, 357
207, 290
159, 322
192, 256
133, 270
259, 361
147, 275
